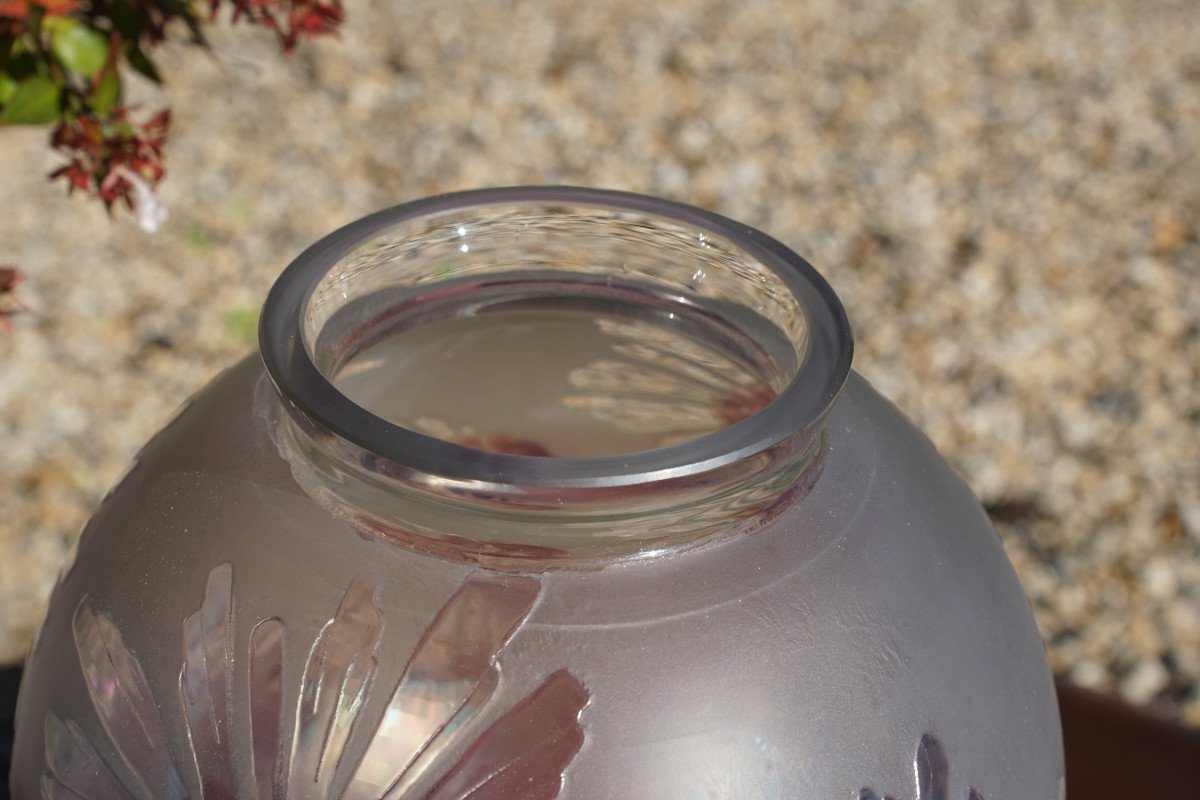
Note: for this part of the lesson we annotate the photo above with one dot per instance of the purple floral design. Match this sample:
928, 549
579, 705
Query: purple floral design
450, 678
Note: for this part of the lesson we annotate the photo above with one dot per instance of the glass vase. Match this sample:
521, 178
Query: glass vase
539, 493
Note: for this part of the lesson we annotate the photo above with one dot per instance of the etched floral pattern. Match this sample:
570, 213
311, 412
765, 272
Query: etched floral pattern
450, 678
931, 769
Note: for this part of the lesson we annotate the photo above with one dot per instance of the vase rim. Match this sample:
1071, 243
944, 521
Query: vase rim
798, 409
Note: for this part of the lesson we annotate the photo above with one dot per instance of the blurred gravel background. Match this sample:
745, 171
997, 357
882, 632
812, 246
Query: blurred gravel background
1005, 195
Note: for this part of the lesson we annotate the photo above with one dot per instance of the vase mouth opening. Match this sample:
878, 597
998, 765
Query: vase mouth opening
526, 342
758, 345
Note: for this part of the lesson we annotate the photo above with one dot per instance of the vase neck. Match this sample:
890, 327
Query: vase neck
552, 376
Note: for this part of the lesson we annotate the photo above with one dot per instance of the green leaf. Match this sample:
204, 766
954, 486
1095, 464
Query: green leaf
7, 87
35, 102
79, 48
107, 90
142, 64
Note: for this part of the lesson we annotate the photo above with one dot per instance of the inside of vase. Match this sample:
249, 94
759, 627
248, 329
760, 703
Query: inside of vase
563, 330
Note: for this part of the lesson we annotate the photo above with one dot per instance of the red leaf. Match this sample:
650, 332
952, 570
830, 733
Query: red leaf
14, 9
58, 8
10, 305
109, 153
19, 9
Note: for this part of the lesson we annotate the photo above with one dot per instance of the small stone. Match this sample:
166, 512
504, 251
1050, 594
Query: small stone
1148, 678
1170, 233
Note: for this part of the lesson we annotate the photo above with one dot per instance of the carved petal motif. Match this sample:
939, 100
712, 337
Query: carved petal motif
426, 763
73, 768
122, 699
869, 794
450, 678
453, 659
204, 685
340, 670
525, 752
931, 770
266, 709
